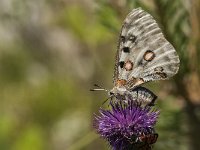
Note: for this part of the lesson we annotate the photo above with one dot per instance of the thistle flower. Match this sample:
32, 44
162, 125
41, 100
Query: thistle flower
127, 126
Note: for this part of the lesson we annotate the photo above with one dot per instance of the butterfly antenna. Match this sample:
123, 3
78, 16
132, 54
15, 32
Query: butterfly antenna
99, 88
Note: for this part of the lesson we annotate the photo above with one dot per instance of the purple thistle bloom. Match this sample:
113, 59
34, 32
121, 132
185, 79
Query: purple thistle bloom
127, 126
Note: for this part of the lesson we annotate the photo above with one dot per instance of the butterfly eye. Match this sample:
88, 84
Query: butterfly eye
111, 93
123, 39
132, 38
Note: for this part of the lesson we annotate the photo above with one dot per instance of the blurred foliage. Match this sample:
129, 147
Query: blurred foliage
51, 53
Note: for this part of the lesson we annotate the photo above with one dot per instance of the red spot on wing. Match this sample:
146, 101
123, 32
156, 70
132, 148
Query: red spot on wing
121, 82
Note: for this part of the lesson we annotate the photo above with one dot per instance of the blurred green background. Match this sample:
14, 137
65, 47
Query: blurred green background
53, 51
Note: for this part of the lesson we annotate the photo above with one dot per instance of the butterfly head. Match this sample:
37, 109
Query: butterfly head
122, 86
119, 90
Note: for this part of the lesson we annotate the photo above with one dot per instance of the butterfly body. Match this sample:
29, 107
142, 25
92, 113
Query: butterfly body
143, 54
140, 94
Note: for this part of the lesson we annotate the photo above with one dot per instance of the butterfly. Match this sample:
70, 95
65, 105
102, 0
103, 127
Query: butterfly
143, 55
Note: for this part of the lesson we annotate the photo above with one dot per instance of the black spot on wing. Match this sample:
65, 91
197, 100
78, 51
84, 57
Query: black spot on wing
123, 39
132, 38
121, 64
126, 50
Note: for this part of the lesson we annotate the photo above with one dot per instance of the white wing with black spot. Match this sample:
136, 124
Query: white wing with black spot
143, 52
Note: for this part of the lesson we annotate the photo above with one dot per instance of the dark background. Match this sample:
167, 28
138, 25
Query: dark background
53, 51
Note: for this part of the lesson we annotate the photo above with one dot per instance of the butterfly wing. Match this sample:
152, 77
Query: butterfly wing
143, 96
143, 52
